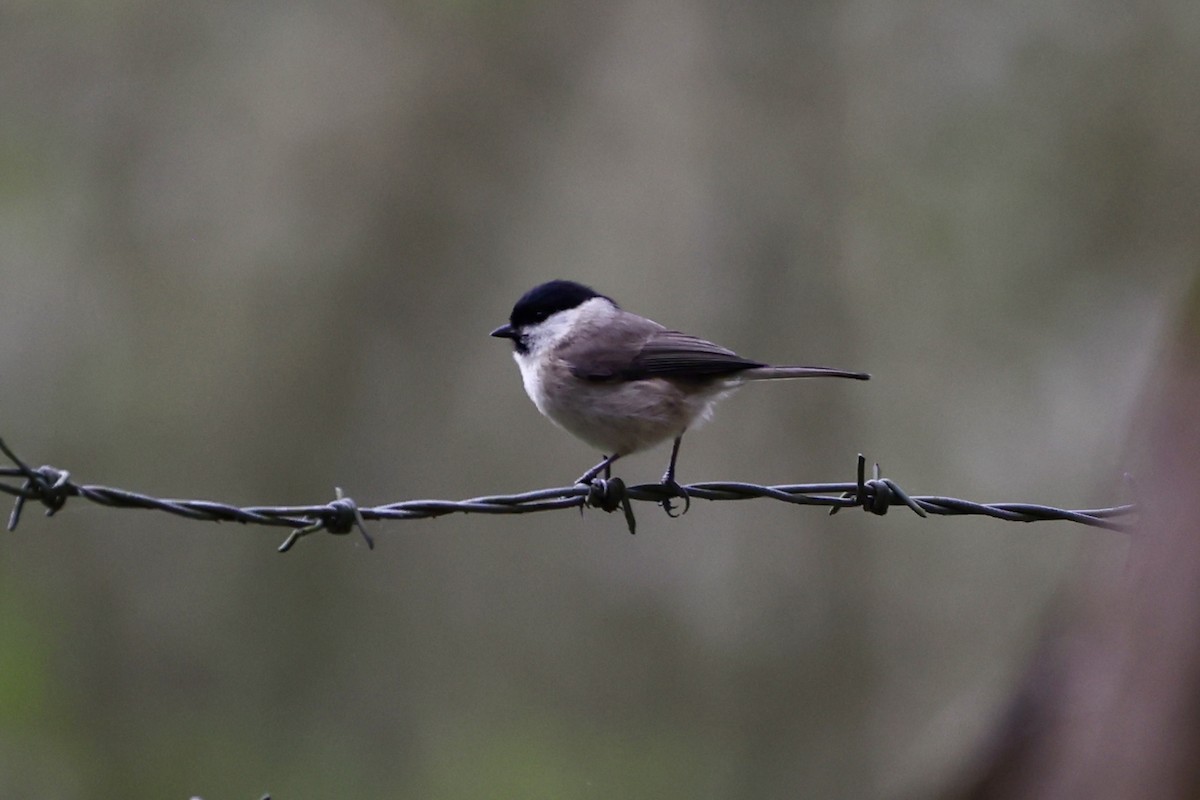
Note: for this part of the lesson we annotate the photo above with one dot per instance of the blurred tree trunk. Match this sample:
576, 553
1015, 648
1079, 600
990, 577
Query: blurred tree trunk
1110, 706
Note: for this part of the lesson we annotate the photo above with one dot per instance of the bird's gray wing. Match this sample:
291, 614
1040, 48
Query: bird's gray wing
639, 349
608, 354
671, 354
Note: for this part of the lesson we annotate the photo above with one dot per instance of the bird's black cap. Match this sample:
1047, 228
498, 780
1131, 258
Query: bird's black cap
548, 298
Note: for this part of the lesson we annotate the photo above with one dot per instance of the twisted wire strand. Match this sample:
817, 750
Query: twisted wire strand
52, 487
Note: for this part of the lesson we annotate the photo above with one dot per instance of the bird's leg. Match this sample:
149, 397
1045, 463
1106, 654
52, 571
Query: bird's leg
605, 466
668, 480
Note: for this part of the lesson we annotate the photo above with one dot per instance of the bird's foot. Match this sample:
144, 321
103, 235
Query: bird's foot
675, 490
604, 466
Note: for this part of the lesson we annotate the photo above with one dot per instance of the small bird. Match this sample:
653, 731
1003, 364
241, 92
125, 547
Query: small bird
620, 382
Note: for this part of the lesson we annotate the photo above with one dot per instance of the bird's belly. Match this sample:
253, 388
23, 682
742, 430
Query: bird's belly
625, 417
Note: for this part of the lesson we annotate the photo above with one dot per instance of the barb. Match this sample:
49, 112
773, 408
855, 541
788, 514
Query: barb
52, 488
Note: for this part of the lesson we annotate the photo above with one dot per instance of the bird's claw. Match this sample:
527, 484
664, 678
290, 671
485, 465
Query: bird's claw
675, 490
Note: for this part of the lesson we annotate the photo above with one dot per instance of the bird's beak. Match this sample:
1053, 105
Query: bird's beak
505, 331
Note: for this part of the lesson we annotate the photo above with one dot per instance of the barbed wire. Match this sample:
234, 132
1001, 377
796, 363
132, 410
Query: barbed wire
52, 487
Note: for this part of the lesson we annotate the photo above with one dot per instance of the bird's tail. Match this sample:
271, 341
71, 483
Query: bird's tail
778, 373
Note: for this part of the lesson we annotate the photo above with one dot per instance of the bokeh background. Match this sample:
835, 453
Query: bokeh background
251, 252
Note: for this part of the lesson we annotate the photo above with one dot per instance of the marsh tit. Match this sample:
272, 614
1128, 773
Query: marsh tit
621, 382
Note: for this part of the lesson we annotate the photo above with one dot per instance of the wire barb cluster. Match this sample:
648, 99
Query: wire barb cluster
52, 487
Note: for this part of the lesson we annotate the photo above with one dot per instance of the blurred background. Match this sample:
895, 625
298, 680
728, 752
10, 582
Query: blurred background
251, 252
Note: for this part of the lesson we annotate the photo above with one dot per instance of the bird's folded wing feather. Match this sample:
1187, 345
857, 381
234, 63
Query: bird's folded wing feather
681, 355
662, 354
